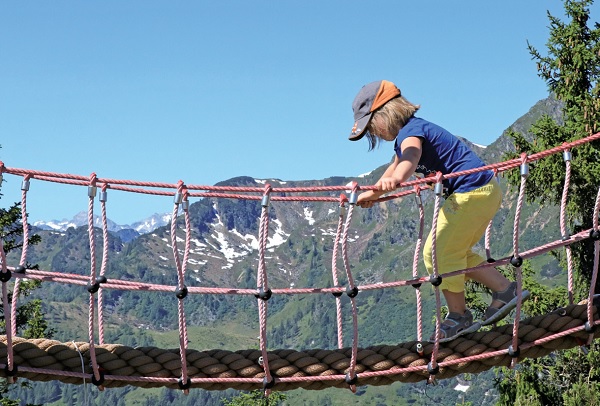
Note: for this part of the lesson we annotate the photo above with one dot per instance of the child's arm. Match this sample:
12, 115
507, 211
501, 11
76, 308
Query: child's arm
398, 171
406, 166
366, 199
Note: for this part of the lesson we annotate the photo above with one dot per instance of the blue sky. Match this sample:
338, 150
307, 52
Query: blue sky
203, 91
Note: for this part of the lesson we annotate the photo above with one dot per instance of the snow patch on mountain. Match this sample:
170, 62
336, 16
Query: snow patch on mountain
279, 237
225, 248
308, 216
232, 251
264, 181
152, 223
81, 219
55, 225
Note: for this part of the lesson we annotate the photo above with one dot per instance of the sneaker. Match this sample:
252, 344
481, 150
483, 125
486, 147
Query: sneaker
456, 325
509, 300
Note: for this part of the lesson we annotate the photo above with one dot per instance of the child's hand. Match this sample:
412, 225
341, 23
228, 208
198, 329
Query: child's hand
366, 199
387, 183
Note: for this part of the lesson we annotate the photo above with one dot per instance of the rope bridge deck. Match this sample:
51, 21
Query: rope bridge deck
43, 360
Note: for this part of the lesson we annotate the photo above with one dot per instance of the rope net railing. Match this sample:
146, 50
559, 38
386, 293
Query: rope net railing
114, 365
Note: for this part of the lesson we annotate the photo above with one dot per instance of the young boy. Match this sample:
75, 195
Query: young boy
381, 113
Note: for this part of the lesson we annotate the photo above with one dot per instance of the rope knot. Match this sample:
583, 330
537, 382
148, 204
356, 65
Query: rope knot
354, 193
418, 199
179, 194
185, 202
567, 153
523, 158
266, 195
438, 189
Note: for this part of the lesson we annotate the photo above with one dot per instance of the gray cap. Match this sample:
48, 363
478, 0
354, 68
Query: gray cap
371, 97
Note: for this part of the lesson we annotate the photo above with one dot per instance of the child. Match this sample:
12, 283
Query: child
381, 113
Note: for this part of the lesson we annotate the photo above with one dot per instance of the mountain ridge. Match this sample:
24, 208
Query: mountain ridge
126, 231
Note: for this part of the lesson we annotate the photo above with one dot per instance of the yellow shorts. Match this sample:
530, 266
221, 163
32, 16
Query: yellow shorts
462, 221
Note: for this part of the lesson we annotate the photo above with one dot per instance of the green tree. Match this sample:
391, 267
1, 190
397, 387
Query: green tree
255, 398
571, 69
30, 319
583, 393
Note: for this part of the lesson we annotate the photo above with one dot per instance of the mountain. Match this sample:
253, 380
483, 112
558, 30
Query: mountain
224, 253
549, 106
150, 223
125, 232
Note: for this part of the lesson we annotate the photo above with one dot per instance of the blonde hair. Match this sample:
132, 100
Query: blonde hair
391, 117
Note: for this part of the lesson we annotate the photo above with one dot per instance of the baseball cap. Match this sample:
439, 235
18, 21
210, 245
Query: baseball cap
371, 97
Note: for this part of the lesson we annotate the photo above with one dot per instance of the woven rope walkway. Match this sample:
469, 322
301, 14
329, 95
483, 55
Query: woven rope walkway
471, 353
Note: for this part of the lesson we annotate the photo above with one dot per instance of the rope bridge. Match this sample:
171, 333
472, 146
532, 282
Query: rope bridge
114, 365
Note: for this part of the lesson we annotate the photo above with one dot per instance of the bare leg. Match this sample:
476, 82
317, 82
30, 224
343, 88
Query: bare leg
455, 301
492, 279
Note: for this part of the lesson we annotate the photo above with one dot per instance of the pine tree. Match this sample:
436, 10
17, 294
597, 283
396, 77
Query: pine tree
255, 398
30, 317
571, 69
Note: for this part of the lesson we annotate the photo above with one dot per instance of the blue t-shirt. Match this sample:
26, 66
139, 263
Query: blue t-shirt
443, 152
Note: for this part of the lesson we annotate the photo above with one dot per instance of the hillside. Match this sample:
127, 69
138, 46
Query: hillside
224, 253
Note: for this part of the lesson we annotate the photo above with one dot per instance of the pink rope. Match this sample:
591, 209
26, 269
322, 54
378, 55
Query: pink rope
415, 271
263, 237
262, 286
92, 242
488, 234
82, 280
24, 190
524, 167
563, 227
352, 290
334, 271
346, 261
517, 260
438, 302
7, 313
181, 288
104, 264
23, 262
596, 234
186, 256
119, 184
